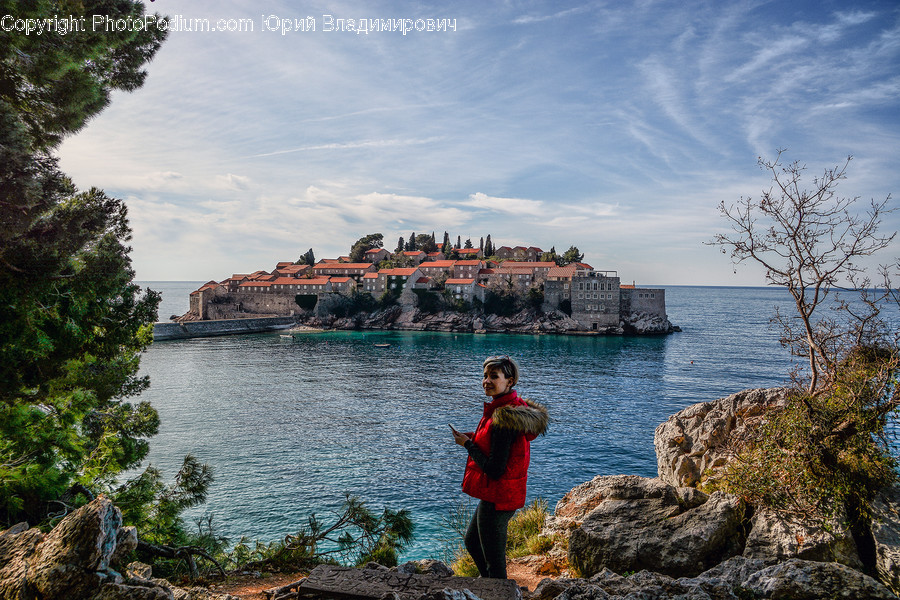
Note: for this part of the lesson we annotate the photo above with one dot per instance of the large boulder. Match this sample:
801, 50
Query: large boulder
646, 524
735, 579
775, 537
808, 580
72, 561
692, 445
886, 533
78, 560
577, 503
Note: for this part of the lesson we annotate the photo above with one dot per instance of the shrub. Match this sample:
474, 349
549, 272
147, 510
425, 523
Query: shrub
828, 450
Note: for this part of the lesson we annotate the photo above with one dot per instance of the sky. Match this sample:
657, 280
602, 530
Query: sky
617, 127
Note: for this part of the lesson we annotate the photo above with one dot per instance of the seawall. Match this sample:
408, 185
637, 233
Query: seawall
192, 329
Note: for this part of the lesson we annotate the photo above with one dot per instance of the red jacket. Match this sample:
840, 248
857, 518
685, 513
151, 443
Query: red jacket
528, 419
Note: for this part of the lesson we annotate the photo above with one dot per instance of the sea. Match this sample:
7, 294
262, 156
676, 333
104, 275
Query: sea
290, 426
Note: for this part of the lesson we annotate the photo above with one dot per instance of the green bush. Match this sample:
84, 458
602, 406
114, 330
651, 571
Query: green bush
825, 451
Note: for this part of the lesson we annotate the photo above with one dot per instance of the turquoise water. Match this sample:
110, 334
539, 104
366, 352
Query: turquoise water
290, 426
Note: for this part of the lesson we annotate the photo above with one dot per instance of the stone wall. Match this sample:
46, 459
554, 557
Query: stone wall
191, 329
230, 306
645, 301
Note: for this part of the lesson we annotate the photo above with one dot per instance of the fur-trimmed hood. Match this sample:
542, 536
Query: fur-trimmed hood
532, 418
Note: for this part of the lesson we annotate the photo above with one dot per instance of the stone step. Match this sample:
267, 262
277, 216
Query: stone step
331, 581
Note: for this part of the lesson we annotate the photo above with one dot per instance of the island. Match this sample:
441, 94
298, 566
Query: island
515, 289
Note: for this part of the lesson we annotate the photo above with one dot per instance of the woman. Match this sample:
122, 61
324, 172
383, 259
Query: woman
497, 467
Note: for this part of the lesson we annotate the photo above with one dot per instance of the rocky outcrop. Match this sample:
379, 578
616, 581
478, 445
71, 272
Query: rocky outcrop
886, 534
680, 542
734, 579
776, 537
646, 324
527, 321
80, 559
692, 446
646, 524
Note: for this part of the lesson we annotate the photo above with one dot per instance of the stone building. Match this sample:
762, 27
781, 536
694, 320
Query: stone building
598, 300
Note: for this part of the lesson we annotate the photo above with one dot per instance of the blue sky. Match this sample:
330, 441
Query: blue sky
614, 126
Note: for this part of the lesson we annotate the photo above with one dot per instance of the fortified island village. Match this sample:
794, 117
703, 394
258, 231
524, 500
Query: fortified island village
515, 289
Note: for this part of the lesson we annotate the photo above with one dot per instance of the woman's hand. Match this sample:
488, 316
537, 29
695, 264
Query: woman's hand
459, 438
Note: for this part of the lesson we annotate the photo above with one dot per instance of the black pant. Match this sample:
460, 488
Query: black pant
486, 539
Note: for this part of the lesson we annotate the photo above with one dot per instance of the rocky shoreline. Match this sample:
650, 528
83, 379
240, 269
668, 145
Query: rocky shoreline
525, 322
627, 537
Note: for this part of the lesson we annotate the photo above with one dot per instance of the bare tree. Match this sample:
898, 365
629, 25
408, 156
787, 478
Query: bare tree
808, 241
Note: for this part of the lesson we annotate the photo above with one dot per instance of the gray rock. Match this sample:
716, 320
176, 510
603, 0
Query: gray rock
73, 560
548, 588
450, 594
119, 591
139, 570
775, 537
886, 532
126, 544
724, 578
692, 445
577, 503
797, 579
649, 526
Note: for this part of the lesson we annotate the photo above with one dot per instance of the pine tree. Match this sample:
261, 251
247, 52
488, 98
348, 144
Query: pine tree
72, 321
401, 245
488, 246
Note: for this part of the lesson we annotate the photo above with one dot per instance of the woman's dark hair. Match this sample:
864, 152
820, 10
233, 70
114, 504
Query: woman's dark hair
505, 365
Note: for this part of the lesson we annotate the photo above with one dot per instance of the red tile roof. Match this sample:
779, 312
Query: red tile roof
530, 264
459, 281
468, 263
405, 272
363, 265
438, 264
567, 271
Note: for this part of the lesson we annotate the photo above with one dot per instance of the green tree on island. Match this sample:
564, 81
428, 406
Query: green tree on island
72, 321
364, 244
572, 255
827, 452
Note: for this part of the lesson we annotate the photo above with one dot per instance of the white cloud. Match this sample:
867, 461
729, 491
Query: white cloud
231, 181
512, 206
